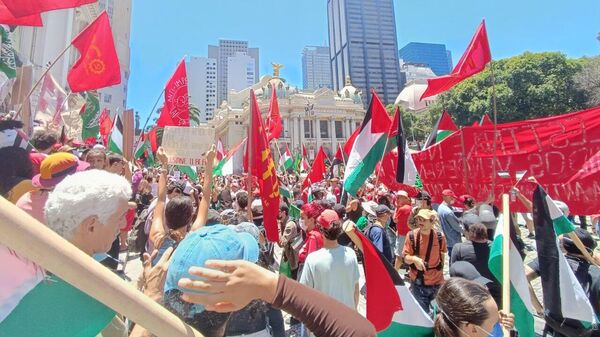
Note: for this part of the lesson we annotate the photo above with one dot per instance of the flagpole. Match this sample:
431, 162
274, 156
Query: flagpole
250, 150
41, 78
151, 113
506, 258
495, 128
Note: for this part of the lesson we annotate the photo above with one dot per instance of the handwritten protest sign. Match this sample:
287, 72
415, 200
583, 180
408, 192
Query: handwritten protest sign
187, 146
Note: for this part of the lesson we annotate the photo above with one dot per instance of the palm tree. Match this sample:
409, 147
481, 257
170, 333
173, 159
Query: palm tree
194, 115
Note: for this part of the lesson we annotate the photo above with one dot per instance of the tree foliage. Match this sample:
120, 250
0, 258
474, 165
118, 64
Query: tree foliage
530, 85
588, 80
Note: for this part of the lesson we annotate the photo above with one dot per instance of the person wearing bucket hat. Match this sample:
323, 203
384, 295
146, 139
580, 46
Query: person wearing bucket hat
218, 242
53, 169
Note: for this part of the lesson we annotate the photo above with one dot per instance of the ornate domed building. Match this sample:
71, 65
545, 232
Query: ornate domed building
310, 118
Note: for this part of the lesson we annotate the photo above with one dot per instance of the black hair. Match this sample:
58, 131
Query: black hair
242, 199
15, 166
179, 212
333, 232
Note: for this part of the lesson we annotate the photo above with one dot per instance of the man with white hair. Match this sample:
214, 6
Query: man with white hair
88, 209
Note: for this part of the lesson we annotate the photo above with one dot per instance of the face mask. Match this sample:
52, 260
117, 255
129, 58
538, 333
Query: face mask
100, 256
303, 225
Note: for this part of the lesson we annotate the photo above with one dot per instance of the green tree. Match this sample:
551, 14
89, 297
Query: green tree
588, 80
528, 86
416, 125
194, 115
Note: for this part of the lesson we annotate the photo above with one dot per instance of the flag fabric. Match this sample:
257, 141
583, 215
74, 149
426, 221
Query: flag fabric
472, 62
520, 300
564, 298
8, 65
338, 159
51, 101
189, 171
220, 150
7, 18
90, 116
443, 128
486, 120
274, 124
297, 161
115, 141
233, 163
141, 146
105, 126
286, 160
294, 212
21, 8
98, 65
350, 143
60, 310
262, 167
391, 307
589, 168
15, 138
406, 171
304, 167
369, 146
284, 191
176, 111
317, 171
153, 138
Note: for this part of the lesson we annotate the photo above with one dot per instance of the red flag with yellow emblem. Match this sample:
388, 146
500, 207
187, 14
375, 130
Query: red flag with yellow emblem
98, 66
263, 168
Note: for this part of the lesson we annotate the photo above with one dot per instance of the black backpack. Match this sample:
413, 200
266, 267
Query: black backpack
137, 236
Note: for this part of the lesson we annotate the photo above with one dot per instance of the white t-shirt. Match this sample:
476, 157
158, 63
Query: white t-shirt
333, 272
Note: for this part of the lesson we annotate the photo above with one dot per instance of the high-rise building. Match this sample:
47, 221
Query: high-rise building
434, 55
114, 98
363, 45
316, 68
226, 49
414, 71
240, 72
202, 85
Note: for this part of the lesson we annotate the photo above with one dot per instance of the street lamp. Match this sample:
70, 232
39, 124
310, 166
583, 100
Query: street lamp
309, 109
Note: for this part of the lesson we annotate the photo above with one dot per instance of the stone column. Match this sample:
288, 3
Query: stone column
296, 139
301, 131
332, 135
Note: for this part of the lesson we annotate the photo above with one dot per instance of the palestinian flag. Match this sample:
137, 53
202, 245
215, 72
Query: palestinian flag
368, 147
391, 307
233, 163
338, 160
286, 161
520, 300
406, 172
220, 150
60, 310
115, 142
16, 138
144, 151
443, 128
189, 171
141, 147
565, 301
284, 191
90, 116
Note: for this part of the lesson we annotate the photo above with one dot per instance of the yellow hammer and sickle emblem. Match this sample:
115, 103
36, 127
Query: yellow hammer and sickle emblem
94, 64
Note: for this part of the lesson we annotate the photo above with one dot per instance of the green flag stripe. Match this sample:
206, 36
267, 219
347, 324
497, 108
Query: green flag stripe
366, 167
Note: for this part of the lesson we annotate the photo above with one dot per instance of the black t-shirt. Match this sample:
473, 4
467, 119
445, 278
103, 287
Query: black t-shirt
475, 253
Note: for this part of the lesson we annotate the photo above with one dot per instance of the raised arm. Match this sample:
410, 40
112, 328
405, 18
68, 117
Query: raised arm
157, 229
206, 190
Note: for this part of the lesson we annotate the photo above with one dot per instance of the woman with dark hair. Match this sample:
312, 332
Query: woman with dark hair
308, 222
354, 211
16, 172
466, 309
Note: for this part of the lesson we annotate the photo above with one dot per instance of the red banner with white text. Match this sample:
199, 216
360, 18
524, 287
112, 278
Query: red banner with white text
551, 149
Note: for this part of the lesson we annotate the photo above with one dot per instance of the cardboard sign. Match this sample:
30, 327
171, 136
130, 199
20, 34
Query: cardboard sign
187, 146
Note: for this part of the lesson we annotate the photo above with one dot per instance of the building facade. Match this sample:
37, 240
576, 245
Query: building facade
202, 85
310, 118
226, 49
414, 71
316, 68
363, 45
240, 72
434, 55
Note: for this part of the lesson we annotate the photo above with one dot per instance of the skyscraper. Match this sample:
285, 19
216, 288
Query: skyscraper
363, 45
226, 49
202, 85
240, 72
433, 55
316, 68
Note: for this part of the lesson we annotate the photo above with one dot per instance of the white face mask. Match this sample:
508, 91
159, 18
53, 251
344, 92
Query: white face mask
303, 225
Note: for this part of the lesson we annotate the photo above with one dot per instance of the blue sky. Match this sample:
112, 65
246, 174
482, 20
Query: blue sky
164, 31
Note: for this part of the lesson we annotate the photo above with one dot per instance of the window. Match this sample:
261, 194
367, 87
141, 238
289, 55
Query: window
308, 129
107, 98
339, 129
324, 128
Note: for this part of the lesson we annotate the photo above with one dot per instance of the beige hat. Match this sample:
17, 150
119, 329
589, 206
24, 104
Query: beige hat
402, 193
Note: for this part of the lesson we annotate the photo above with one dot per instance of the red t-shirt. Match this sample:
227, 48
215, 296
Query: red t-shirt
401, 218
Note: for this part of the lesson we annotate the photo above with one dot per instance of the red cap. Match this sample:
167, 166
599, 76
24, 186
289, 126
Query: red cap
449, 193
327, 218
464, 197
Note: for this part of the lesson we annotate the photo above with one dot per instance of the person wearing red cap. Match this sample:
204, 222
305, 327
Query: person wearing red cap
333, 269
450, 224
401, 214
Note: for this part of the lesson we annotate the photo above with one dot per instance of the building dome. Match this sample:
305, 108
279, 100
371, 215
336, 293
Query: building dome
348, 91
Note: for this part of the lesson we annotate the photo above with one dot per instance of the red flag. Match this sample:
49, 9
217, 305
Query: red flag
7, 18
304, 152
383, 301
176, 111
21, 8
589, 168
220, 150
394, 126
105, 126
274, 125
263, 168
153, 140
98, 66
317, 172
472, 62
380, 120
339, 155
486, 120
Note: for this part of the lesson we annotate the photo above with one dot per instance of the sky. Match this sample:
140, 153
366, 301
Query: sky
163, 32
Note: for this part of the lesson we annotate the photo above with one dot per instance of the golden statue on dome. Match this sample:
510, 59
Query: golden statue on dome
276, 68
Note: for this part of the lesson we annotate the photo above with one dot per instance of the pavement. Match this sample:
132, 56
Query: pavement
133, 269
